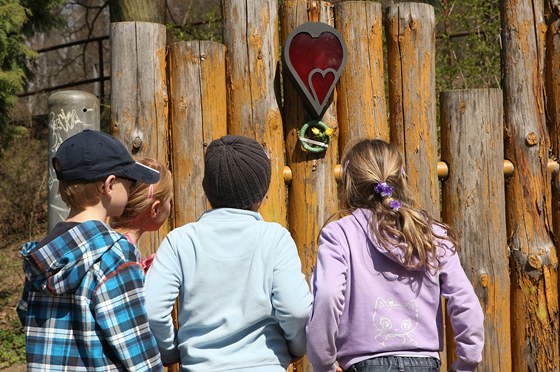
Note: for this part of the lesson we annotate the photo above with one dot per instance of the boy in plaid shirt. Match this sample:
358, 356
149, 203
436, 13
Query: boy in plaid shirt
83, 302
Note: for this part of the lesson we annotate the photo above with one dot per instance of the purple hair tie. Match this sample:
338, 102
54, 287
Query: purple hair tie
386, 191
383, 189
394, 205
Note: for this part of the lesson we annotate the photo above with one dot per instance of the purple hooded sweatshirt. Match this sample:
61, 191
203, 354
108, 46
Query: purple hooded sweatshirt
367, 304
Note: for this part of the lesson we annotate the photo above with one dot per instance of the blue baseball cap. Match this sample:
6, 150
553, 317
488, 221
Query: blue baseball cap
92, 155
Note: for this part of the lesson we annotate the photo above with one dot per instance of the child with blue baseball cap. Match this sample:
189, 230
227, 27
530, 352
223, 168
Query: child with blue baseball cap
83, 304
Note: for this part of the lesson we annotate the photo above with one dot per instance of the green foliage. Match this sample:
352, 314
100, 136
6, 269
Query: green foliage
207, 27
17, 20
13, 53
12, 344
468, 44
44, 15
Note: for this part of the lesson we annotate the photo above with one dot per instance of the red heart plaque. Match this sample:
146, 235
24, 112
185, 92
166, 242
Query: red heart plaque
315, 55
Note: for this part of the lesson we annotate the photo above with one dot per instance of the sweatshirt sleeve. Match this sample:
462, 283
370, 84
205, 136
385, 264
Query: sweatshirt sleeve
465, 312
291, 297
328, 284
163, 284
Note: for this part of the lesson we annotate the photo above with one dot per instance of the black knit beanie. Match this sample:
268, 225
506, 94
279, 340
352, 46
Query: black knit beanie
236, 172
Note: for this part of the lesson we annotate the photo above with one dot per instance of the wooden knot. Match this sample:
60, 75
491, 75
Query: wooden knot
484, 280
137, 143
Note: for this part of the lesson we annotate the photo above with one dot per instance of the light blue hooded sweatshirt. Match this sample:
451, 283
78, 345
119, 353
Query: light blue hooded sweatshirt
244, 301
368, 304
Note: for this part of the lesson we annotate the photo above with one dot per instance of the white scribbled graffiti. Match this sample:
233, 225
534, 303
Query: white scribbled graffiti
62, 123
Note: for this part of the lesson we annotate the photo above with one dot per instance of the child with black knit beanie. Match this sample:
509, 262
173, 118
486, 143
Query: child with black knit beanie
244, 301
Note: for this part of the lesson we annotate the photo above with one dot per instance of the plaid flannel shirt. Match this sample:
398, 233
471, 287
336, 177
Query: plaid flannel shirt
83, 304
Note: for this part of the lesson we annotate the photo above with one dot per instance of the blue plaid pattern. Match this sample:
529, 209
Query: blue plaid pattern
83, 304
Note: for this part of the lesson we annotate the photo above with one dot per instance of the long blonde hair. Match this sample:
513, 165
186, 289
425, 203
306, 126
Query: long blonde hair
371, 166
143, 195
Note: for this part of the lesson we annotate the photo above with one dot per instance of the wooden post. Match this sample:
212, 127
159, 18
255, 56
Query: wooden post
70, 112
252, 71
362, 110
534, 262
198, 115
313, 191
552, 81
410, 29
137, 10
474, 205
139, 97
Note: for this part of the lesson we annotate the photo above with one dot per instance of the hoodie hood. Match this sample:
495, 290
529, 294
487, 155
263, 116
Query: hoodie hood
59, 266
365, 218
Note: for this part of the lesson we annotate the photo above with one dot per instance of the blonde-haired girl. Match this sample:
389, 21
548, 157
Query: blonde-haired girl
381, 271
148, 207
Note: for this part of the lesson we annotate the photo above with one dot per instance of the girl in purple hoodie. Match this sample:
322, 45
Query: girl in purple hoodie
381, 272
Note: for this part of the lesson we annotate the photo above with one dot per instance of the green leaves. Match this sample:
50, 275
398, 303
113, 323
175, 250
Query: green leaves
19, 19
468, 44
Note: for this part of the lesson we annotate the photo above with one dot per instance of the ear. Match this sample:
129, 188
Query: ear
155, 208
109, 184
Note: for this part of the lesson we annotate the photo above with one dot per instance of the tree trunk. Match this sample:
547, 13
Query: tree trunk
474, 205
410, 31
553, 112
534, 261
198, 115
137, 10
362, 109
313, 190
139, 97
252, 71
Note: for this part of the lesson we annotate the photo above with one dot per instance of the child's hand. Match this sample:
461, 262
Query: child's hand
338, 368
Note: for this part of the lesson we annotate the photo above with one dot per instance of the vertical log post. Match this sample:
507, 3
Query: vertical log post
252, 69
552, 81
70, 112
362, 109
198, 115
139, 97
410, 29
313, 191
534, 262
474, 205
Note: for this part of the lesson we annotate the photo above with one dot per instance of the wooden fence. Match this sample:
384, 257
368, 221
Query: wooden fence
170, 101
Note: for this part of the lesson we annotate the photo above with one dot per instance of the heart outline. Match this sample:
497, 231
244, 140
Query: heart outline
323, 74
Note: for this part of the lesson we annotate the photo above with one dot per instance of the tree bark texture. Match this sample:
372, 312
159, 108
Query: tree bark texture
198, 115
137, 10
410, 29
534, 262
553, 114
362, 108
313, 183
139, 97
252, 71
474, 205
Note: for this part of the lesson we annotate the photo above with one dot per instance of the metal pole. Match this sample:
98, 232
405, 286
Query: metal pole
70, 112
